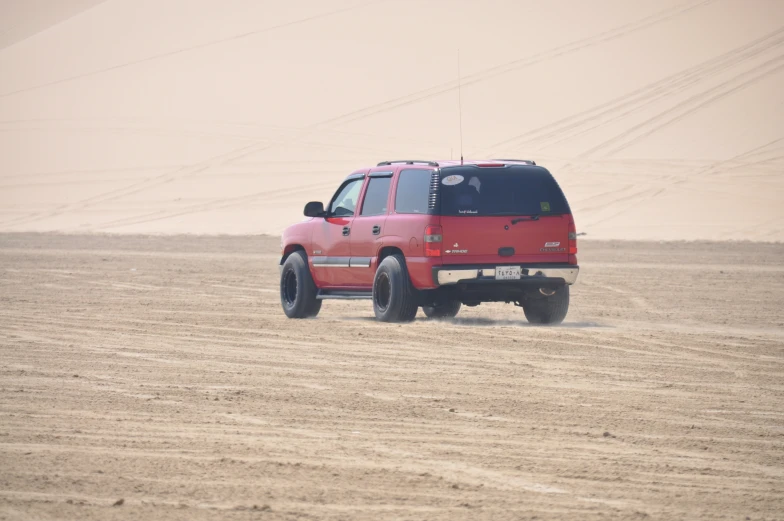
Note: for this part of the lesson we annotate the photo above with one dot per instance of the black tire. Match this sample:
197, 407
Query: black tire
394, 299
297, 289
448, 309
548, 310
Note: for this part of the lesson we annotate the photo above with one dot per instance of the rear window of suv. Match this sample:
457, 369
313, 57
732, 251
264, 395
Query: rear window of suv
513, 190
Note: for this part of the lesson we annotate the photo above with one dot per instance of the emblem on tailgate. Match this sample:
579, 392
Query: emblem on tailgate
456, 251
552, 247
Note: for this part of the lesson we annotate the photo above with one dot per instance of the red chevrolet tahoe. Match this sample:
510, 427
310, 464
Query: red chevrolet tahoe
436, 235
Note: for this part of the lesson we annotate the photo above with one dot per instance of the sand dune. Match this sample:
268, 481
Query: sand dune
21, 19
162, 371
661, 119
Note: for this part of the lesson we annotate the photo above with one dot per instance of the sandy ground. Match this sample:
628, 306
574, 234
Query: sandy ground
662, 119
162, 371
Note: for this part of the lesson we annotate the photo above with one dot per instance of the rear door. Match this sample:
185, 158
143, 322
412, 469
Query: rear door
503, 214
367, 229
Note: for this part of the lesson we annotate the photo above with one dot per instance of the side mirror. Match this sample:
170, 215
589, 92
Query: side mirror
314, 209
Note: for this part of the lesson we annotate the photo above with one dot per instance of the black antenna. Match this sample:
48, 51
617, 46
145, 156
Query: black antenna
460, 105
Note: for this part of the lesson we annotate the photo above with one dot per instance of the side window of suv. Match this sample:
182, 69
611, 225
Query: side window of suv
413, 191
376, 196
345, 203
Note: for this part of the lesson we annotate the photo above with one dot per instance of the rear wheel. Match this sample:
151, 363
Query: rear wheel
297, 289
548, 310
448, 309
393, 296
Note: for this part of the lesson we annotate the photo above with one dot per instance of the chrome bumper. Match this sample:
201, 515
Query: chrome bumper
446, 276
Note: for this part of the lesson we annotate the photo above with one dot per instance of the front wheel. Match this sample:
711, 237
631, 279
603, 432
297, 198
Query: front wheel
297, 289
393, 295
448, 309
548, 310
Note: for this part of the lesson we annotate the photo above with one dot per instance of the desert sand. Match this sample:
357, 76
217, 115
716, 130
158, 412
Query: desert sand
163, 372
661, 119
152, 152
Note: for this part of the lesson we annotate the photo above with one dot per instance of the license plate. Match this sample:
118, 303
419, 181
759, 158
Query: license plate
507, 272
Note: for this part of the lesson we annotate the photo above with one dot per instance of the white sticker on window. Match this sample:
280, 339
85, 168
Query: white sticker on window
451, 180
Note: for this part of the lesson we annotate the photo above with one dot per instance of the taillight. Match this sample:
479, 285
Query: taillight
572, 241
433, 238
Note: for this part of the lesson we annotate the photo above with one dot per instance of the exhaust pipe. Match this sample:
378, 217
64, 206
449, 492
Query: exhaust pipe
547, 292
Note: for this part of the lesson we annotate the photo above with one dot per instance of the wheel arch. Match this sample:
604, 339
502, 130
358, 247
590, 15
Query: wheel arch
386, 251
291, 248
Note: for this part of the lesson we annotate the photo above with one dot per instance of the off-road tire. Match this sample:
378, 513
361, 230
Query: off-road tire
448, 309
297, 289
548, 310
394, 298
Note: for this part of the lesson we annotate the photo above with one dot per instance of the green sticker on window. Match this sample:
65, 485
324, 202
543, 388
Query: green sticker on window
545, 206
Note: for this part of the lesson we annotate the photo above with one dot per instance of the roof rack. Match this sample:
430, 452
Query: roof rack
408, 162
529, 161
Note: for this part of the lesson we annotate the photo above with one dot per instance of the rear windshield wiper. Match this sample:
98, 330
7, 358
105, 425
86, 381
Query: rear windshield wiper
521, 219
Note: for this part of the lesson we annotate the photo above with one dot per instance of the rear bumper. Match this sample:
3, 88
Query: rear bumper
531, 274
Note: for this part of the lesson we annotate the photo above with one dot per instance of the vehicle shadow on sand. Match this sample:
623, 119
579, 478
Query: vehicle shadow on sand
482, 321
490, 322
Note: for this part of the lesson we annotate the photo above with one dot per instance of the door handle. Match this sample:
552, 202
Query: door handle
346, 230
376, 230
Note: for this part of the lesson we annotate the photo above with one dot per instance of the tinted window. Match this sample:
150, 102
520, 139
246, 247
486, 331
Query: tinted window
516, 190
376, 196
345, 203
413, 190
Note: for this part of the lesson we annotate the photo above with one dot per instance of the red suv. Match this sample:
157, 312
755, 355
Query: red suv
436, 235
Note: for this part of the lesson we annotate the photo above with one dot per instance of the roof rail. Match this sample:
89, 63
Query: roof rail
529, 161
408, 162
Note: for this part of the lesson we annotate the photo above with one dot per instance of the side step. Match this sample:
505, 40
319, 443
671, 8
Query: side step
338, 294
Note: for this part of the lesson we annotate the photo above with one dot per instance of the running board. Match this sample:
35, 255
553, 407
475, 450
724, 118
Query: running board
344, 295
